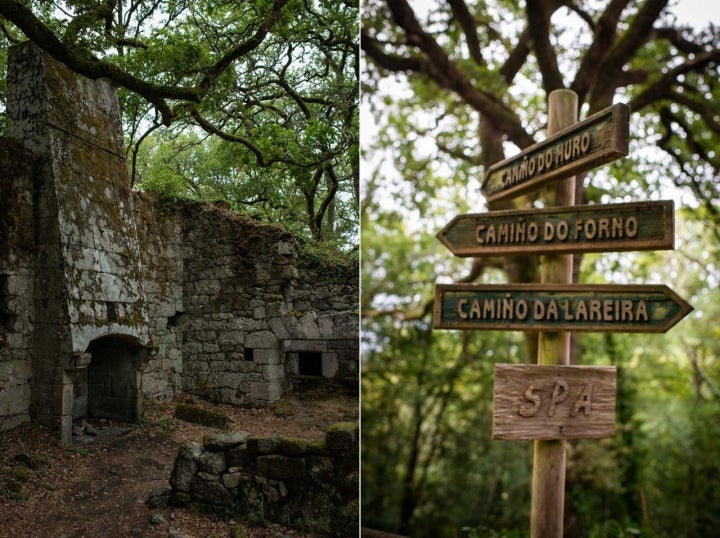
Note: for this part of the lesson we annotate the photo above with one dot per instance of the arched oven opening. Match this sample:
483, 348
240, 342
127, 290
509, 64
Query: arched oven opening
109, 387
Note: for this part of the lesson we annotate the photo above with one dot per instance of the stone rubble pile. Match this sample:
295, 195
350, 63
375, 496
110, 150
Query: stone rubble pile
311, 486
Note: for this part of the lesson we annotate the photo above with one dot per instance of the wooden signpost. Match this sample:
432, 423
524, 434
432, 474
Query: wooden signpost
558, 307
552, 401
588, 228
601, 138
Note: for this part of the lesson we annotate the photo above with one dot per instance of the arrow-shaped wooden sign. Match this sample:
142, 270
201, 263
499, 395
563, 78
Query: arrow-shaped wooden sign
599, 139
558, 307
586, 228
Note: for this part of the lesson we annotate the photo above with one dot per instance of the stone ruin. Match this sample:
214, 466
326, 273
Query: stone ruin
311, 486
110, 296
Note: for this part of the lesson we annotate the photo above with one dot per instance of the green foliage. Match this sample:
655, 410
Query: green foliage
232, 104
328, 261
427, 401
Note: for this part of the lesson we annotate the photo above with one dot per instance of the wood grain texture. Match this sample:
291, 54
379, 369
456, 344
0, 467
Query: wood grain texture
587, 228
604, 138
533, 402
549, 457
558, 307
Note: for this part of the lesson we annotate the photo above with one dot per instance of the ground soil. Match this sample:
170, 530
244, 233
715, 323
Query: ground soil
98, 485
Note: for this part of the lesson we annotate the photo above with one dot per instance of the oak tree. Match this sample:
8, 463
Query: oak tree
275, 79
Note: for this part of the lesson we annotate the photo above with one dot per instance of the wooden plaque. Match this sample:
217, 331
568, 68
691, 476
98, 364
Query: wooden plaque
599, 139
585, 228
558, 307
553, 402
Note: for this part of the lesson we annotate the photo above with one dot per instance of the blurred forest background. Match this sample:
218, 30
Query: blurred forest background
449, 87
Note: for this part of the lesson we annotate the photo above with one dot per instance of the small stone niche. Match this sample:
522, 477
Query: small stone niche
310, 363
7, 316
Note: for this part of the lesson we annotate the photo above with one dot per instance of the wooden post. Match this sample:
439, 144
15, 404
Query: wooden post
548, 481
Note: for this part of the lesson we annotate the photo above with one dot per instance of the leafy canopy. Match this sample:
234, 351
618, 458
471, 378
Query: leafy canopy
277, 80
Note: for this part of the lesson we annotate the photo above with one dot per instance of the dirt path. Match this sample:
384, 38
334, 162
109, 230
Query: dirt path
98, 487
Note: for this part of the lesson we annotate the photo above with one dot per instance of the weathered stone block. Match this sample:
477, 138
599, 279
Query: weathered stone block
211, 462
198, 415
280, 467
329, 365
261, 340
224, 441
231, 480
292, 446
342, 436
185, 466
266, 356
273, 372
211, 492
232, 338
268, 391
238, 457
278, 328
285, 248
288, 272
267, 445
208, 477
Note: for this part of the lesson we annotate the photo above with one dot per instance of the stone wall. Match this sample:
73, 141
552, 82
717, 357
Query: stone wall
238, 277
326, 302
88, 281
160, 232
17, 282
305, 485
104, 287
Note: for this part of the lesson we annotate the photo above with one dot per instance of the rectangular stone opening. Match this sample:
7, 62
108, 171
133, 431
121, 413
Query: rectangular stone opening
249, 354
310, 363
7, 316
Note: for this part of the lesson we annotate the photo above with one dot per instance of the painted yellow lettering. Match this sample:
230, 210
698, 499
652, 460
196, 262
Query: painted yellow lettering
460, 312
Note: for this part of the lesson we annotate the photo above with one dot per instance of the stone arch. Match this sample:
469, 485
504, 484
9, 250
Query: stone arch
109, 387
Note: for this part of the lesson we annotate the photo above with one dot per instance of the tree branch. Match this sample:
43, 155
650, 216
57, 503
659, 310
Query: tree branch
538, 15
102, 11
517, 57
210, 128
329, 173
661, 89
390, 62
94, 69
622, 51
157, 94
467, 23
447, 75
605, 32
241, 49
675, 37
